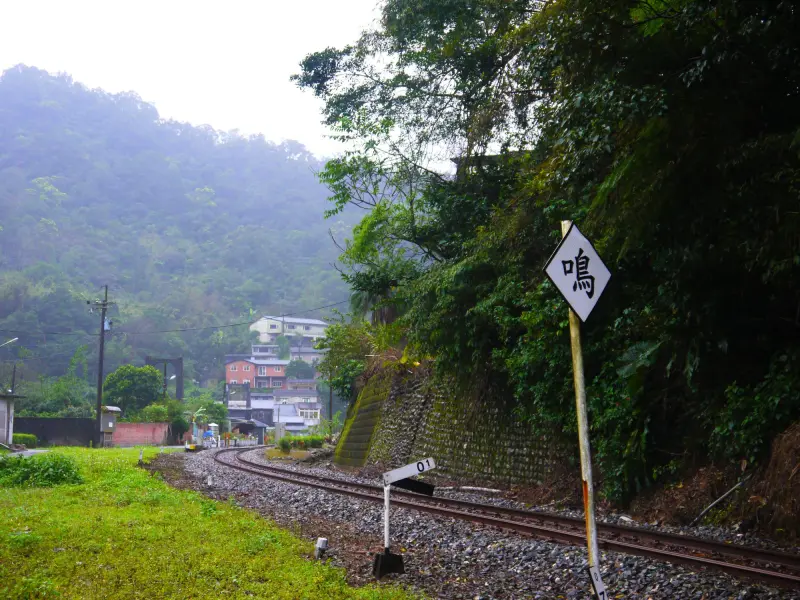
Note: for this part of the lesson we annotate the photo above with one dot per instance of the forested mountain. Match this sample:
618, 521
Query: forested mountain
188, 226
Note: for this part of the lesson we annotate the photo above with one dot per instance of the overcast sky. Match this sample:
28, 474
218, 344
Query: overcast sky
223, 63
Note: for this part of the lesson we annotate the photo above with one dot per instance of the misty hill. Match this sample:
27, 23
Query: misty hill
188, 226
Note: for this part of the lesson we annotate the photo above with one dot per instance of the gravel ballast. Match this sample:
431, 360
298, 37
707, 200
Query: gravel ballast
445, 558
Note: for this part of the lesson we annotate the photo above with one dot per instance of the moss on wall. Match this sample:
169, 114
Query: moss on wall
402, 415
354, 443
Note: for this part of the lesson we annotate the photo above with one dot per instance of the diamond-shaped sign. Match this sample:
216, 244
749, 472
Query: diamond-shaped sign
578, 272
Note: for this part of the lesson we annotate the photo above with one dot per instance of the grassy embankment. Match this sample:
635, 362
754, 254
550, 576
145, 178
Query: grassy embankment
125, 534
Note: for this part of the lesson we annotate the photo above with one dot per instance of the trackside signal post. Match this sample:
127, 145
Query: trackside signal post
388, 562
580, 275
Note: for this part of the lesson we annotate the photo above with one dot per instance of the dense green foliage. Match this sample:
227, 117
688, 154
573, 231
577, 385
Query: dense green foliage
42, 470
667, 130
190, 228
132, 388
299, 369
27, 439
301, 442
70, 395
351, 346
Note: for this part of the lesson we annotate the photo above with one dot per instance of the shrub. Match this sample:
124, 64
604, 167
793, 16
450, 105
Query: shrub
154, 413
27, 439
43, 470
285, 444
315, 441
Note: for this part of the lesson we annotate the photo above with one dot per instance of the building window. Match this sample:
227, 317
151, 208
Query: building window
290, 326
276, 384
246, 368
273, 326
277, 369
261, 384
233, 382
307, 327
262, 371
233, 368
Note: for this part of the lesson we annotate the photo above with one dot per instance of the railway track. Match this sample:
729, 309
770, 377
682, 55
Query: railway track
768, 566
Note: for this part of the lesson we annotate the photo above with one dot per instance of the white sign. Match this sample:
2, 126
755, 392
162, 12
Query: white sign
426, 464
597, 584
578, 272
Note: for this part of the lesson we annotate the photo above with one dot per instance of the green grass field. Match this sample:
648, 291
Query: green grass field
125, 534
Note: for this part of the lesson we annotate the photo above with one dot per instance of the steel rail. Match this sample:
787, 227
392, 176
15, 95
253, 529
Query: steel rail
534, 530
785, 559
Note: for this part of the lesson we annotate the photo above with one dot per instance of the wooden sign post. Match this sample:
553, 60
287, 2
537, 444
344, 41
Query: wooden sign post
581, 276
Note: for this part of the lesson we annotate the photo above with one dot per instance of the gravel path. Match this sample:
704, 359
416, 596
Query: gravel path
454, 559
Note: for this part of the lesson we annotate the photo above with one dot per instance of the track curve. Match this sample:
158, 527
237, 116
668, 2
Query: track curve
760, 564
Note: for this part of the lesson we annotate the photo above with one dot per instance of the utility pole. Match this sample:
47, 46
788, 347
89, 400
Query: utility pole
13, 378
103, 306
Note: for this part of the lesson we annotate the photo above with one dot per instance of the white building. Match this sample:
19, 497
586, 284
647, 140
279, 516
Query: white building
269, 328
297, 416
7, 419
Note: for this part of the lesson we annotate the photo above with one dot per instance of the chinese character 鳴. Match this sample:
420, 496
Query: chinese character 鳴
580, 267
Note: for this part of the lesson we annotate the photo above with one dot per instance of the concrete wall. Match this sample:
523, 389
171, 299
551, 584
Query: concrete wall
57, 431
141, 434
401, 417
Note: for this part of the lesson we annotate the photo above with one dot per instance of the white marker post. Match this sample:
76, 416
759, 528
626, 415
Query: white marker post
386, 491
388, 562
581, 276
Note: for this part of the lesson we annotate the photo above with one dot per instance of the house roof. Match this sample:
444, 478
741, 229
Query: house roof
296, 320
295, 393
276, 362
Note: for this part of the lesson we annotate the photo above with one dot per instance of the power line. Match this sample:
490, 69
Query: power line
292, 314
46, 332
300, 312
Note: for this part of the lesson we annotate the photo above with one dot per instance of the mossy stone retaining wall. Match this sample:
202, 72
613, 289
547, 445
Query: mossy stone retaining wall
354, 443
411, 417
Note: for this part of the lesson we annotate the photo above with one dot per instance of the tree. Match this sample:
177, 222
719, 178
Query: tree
132, 388
211, 411
172, 235
67, 396
154, 413
667, 130
284, 347
299, 369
